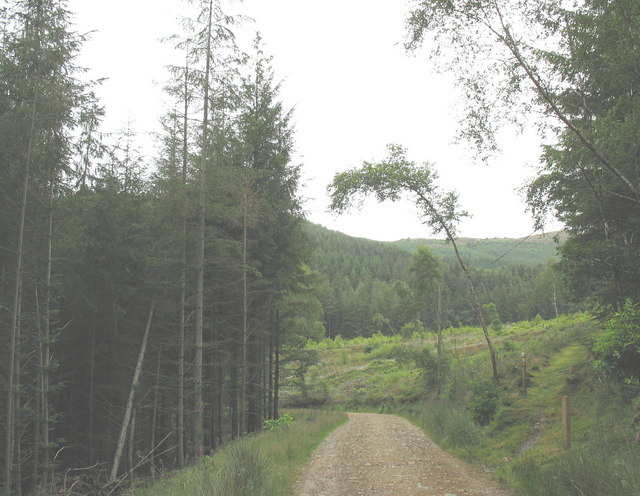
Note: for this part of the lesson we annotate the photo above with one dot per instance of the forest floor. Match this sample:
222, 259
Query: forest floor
380, 455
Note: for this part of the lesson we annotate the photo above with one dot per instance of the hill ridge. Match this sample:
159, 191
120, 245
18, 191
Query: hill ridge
486, 253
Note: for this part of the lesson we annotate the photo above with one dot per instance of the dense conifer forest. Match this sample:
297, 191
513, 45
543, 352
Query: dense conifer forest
369, 286
148, 306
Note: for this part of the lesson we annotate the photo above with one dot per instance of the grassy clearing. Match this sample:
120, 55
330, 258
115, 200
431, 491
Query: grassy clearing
265, 464
517, 437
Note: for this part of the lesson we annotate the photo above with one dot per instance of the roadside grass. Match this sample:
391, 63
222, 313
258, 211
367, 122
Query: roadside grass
265, 464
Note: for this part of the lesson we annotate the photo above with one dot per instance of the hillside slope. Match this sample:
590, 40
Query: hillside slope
517, 435
488, 253
491, 253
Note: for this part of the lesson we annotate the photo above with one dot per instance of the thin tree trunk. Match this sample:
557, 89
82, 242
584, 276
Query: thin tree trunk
234, 390
92, 379
14, 358
440, 344
46, 467
213, 371
130, 450
243, 363
219, 406
183, 272
154, 416
129, 408
276, 380
475, 301
270, 365
198, 422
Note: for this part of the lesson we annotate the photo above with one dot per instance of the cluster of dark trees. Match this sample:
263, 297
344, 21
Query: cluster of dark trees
144, 308
369, 286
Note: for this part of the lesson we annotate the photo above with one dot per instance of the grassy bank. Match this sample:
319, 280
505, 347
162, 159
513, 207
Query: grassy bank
518, 437
265, 464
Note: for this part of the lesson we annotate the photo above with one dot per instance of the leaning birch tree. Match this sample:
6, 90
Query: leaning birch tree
395, 176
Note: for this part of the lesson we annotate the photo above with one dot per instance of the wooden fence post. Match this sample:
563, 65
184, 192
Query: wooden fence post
566, 423
524, 373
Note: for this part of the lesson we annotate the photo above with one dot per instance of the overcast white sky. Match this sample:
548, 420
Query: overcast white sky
354, 90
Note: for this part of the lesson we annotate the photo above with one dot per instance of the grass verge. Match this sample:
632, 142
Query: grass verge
265, 464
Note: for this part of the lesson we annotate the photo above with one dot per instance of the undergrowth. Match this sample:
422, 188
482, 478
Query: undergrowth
265, 464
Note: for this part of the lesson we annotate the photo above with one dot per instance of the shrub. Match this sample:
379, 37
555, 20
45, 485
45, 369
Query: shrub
391, 351
485, 402
410, 329
427, 362
617, 351
272, 424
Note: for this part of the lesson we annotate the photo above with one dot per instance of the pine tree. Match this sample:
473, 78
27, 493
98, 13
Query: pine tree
41, 100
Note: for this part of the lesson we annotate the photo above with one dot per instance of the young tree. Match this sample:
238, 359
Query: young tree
426, 280
394, 176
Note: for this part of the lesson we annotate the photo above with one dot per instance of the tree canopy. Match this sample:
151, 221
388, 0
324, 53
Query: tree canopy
572, 68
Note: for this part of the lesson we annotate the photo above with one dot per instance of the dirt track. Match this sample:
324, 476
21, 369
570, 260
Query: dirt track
385, 455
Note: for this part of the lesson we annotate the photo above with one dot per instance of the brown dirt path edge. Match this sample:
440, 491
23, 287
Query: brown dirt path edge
386, 455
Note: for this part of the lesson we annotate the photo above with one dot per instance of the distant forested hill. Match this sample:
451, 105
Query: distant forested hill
367, 287
338, 255
494, 252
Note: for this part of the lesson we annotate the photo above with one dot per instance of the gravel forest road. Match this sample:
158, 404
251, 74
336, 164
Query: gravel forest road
385, 455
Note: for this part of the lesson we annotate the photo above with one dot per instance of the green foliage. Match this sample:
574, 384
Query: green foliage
411, 329
617, 350
391, 179
486, 399
427, 363
284, 420
491, 311
391, 351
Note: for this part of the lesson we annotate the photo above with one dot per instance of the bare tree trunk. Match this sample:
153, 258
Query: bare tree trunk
18, 424
198, 422
92, 374
41, 424
46, 343
130, 450
475, 301
129, 408
270, 371
183, 272
243, 353
219, 406
276, 380
154, 416
235, 424
440, 343
14, 358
